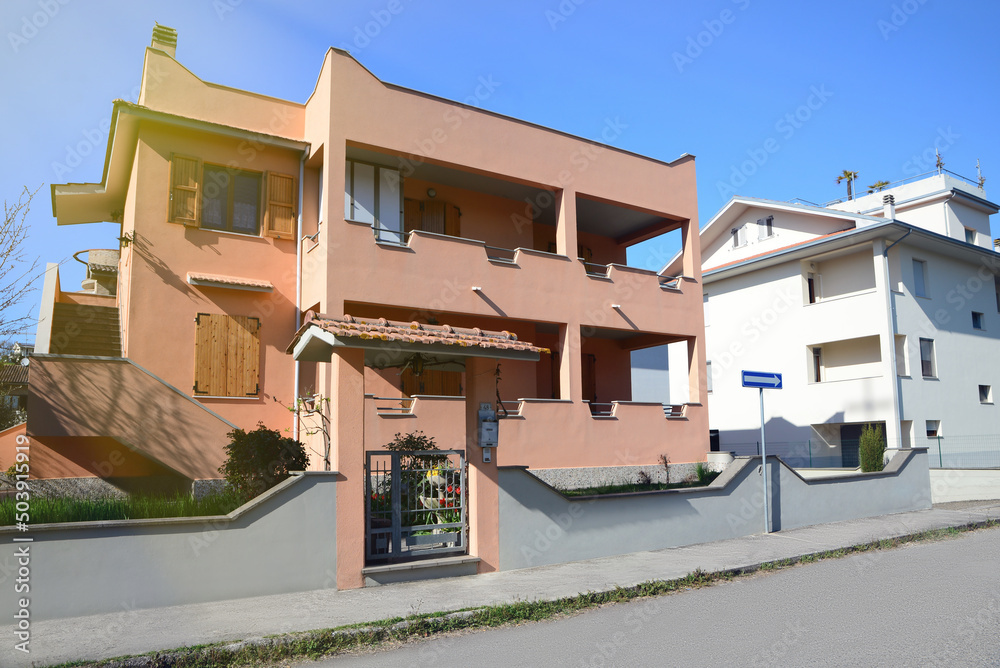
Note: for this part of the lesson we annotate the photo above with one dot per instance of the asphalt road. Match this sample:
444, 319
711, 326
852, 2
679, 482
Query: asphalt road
926, 604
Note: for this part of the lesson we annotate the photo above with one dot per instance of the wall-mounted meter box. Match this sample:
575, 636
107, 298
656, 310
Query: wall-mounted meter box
488, 426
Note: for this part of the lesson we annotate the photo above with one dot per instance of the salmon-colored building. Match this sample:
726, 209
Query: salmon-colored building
472, 259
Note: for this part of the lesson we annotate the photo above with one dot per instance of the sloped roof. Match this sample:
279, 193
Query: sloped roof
391, 343
13, 374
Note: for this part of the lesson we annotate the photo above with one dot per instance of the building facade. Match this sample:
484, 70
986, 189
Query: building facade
882, 309
472, 259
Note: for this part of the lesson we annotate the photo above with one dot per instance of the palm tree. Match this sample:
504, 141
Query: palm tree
848, 176
877, 187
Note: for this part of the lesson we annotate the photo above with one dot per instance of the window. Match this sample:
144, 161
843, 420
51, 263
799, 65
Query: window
704, 301
765, 228
817, 365
226, 355
919, 278
812, 285
227, 199
977, 320
231, 200
739, 236
933, 428
927, 358
709, 375
970, 235
374, 195
985, 394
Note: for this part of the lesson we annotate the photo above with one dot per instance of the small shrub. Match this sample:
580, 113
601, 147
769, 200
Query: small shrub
665, 463
415, 441
871, 448
703, 474
260, 459
643, 478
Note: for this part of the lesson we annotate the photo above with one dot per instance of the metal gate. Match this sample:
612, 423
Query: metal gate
414, 504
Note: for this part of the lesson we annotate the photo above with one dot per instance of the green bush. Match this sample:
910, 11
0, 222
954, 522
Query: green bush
260, 459
871, 448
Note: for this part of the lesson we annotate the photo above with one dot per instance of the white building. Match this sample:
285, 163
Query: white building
874, 311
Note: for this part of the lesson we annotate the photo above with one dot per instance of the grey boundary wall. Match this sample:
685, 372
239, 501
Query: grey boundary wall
540, 526
281, 542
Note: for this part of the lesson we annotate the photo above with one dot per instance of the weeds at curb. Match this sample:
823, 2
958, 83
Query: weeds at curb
325, 642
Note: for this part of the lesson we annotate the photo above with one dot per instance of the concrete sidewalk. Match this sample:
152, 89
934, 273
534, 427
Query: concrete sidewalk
139, 631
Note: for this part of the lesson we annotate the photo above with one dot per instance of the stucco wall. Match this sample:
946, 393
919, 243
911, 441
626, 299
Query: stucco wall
539, 526
965, 485
284, 541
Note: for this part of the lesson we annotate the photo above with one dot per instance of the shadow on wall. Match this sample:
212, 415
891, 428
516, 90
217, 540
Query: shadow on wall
81, 407
798, 446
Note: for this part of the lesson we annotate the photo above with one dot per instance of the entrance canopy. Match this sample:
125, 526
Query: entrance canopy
399, 344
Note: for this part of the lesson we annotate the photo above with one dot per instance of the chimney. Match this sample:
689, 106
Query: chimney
165, 39
888, 207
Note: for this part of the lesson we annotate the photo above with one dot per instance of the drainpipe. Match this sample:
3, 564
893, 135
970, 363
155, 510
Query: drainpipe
891, 311
298, 289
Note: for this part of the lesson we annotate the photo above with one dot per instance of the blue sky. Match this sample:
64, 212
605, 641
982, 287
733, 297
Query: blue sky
774, 99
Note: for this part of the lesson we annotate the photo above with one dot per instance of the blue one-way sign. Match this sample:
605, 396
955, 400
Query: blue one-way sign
762, 379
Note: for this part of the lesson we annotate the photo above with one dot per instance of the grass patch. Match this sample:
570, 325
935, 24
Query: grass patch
46, 510
323, 643
637, 487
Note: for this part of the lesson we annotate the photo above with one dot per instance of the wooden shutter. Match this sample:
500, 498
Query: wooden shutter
411, 215
452, 220
433, 218
282, 195
185, 190
227, 355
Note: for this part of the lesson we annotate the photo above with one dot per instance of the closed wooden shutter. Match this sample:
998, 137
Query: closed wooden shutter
433, 382
227, 355
411, 215
185, 190
452, 219
281, 197
433, 218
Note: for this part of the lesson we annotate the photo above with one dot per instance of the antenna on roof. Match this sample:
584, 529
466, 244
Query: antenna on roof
979, 174
939, 163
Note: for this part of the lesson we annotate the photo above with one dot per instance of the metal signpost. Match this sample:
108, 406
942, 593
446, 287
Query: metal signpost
763, 380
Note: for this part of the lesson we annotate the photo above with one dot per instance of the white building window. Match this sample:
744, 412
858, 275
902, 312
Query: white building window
919, 278
704, 300
970, 235
986, 394
977, 320
374, 195
927, 367
765, 228
739, 236
817, 365
709, 375
933, 428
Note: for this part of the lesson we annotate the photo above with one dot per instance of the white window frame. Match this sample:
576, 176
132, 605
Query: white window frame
987, 396
932, 361
982, 321
937, 428
765, 228
739, 236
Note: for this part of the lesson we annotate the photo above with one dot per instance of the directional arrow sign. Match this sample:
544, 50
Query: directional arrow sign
763, 379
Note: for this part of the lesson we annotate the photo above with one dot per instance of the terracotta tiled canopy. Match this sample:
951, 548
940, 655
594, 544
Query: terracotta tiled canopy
320, 333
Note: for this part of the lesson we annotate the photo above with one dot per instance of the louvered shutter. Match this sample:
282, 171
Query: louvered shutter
281, 197
185, 190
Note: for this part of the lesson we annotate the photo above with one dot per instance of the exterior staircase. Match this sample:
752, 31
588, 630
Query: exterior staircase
82, 329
